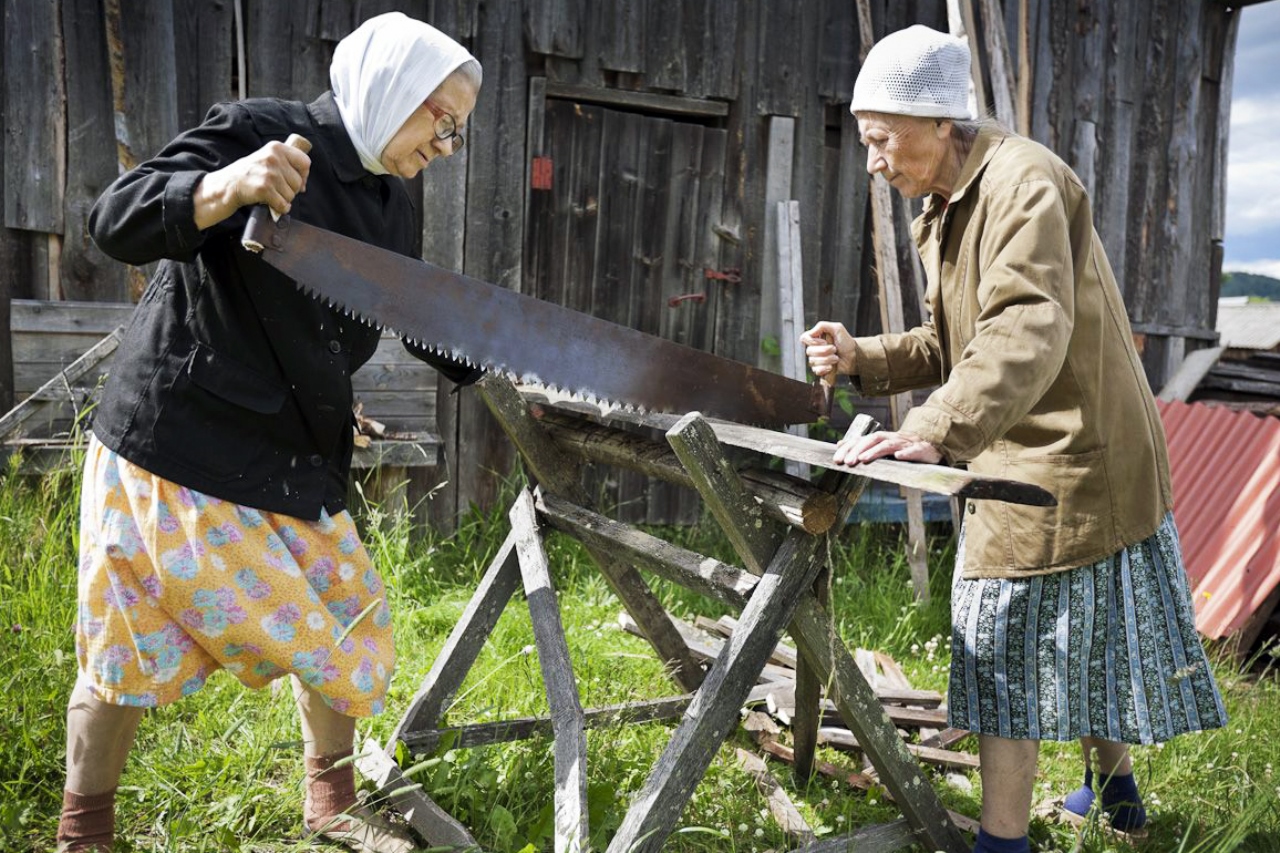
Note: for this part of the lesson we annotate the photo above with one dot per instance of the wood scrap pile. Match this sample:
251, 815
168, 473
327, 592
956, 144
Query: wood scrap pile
910, 710
1250, 380
770, 708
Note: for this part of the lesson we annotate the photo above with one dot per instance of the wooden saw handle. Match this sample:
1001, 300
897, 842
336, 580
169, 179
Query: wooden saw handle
260, 211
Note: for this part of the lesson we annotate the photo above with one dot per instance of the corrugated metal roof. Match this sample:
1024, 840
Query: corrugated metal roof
1225, 467
1255, 325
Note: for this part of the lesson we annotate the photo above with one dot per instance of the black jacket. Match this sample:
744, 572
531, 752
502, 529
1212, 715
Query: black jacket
230, 380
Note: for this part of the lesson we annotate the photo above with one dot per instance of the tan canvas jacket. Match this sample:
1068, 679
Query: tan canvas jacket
1040, 379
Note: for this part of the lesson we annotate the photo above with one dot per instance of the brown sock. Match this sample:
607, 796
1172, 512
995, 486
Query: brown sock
88, 821
330, 790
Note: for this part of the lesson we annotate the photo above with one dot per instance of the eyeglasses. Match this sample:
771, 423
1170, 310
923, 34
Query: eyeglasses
446, 126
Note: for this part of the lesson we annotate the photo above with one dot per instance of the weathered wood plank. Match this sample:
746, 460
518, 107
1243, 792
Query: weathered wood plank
711, 48
526, 728
54, 389
938, 479
779, 164
34, 96
881, 838
554, 27
463, 646
1184, 381
664, 47
433, 823
204, 37
567, 727
86, 272
785, 498
146, 102
784, 811
622, 30
716, 580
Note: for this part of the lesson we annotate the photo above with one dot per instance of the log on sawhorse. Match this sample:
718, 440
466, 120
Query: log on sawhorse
774, 590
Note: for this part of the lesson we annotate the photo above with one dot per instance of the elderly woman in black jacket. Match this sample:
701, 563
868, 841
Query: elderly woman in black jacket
214, 533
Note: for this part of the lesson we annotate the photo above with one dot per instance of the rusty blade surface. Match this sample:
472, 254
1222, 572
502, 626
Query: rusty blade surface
527, 339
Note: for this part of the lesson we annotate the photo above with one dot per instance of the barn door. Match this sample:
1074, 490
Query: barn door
621, 210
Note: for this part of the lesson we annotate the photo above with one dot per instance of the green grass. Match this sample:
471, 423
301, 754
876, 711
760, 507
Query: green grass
220, 770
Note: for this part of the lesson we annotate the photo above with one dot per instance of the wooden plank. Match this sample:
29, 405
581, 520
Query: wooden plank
784, 811
997, 45
845, 739
664, 47
785, 498
541, 202
54, 389
526, 728
881, 838
1184, 381
570, 749
43, 316
554, 27
937, 479
204, 37
622, 30
424, 452
575, 257
463, 646
707, 576
86, 272
783, 58
34, 97
683, 312
146, 101
711, 48
647, 101
837, 68
778, 168
559, 474
430, 821
336, 20
791, 308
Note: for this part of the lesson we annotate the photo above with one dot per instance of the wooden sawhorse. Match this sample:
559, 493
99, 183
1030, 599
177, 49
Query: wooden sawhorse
775, 592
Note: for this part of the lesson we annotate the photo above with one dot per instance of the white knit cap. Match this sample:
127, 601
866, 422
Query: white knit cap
382, 72
915, 72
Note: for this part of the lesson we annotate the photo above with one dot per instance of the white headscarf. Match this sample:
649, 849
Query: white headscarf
382, 72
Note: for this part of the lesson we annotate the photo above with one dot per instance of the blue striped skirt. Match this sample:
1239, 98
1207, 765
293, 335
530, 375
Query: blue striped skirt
1108, 650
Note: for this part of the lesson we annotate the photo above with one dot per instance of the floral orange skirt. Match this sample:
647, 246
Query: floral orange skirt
174, 585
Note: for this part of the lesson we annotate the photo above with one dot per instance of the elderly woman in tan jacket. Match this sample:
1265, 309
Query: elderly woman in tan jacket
1068, 622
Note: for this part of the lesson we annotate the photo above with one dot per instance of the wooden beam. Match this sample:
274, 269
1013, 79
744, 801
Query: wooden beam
784, 811
712, 578
56, 388
1187, 377
792, 500
463, 646
937, 479
433, 823
641, 101
567, 727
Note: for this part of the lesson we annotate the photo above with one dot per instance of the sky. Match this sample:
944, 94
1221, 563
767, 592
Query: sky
1252, 241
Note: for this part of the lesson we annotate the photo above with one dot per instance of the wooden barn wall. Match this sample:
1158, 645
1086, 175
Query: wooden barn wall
670, 127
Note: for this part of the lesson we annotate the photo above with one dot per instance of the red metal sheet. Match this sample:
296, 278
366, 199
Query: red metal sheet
1225, 467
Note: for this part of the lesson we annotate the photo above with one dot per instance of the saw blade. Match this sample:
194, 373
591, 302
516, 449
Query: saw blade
527, 339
